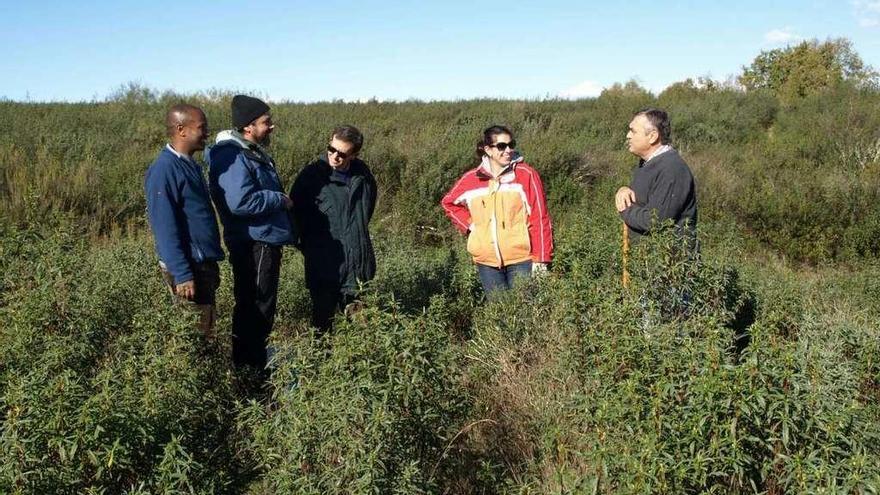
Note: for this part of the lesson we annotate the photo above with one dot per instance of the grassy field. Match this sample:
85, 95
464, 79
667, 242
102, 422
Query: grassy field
768, 381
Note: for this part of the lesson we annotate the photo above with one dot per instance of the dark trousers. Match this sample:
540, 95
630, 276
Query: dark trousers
255, 267
326, 302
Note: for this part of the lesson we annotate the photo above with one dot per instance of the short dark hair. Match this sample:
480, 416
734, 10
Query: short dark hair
488, 134
658, 119
180, 114
350, 134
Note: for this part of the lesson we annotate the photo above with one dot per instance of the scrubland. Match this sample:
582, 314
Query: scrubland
764, 379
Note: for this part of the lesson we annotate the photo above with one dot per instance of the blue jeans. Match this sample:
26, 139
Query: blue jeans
503, 278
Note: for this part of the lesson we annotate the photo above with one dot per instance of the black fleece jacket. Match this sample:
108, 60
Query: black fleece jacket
664, 187
332, 213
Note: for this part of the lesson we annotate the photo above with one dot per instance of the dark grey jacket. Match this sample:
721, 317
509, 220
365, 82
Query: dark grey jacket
332, 217
664, 187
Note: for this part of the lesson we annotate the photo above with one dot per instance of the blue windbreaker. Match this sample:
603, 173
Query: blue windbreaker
247, 191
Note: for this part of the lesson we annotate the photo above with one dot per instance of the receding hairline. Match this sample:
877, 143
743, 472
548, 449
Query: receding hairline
648, 125
656, 119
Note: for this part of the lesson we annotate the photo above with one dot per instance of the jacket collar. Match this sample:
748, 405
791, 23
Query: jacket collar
354, 168
484, 171
187, 159
252, 150
659, 151
232, 136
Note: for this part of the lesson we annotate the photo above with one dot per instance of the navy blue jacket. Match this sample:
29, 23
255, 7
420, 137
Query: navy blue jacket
247, 191
180, 214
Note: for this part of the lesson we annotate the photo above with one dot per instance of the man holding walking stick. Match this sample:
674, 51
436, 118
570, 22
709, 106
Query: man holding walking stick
662, 186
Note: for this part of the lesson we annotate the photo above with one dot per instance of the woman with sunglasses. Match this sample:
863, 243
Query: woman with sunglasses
501, 207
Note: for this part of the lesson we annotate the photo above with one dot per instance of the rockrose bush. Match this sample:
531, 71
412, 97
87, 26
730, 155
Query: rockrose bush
584, 386
370, 408
104, 387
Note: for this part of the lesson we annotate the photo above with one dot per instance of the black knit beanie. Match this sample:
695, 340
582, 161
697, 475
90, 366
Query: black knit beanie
246, 109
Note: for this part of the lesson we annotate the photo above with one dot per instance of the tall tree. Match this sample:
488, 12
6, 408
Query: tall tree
808, 67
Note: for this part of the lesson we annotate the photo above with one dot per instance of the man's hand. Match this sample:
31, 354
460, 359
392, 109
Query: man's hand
186, 290
624, 198
286, 201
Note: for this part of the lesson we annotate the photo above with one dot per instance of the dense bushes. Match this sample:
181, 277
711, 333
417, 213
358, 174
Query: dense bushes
735, 375
103, 386
796, 174
585, 388
569, 383
369, 410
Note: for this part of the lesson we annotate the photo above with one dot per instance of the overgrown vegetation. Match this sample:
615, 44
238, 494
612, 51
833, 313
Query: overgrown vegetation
753, 369
807, 68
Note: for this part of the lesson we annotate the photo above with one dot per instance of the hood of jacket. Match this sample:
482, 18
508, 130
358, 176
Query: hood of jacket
231, 136
485, 168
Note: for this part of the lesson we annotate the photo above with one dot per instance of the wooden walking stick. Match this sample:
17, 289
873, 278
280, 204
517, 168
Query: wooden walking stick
625, 277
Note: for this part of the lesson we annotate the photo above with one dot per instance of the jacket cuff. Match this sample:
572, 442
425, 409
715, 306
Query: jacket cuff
177, 277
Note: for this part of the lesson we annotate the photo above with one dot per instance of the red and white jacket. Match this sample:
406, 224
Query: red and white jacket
505, 217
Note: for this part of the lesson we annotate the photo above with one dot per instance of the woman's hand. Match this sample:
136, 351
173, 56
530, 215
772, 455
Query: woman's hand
540, 269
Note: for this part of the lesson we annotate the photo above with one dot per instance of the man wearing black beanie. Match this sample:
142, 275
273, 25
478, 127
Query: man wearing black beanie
253, 209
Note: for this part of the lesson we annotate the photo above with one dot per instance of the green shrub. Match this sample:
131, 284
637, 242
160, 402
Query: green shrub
741, 373
369, 409
585, 386
105, 386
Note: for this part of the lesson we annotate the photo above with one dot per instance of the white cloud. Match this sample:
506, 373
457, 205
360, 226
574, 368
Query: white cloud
868, 6
781, 36
586, 89
867, 12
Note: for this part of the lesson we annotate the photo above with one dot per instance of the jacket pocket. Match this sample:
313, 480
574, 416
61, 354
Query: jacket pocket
263, 231
481, 246
514, 241
514, 209
513, 234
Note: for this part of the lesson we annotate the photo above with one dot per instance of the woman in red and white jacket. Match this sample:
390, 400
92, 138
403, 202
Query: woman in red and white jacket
501, 207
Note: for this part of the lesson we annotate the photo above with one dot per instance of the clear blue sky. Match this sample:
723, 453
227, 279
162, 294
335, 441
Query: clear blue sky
354, 50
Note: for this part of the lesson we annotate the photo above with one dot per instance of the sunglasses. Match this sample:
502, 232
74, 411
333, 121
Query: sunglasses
504, 146
341, 155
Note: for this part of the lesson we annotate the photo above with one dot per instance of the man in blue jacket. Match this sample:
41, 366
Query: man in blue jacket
253, 208
181, 216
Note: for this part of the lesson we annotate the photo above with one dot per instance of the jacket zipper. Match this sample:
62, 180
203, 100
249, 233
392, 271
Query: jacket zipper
494, 221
